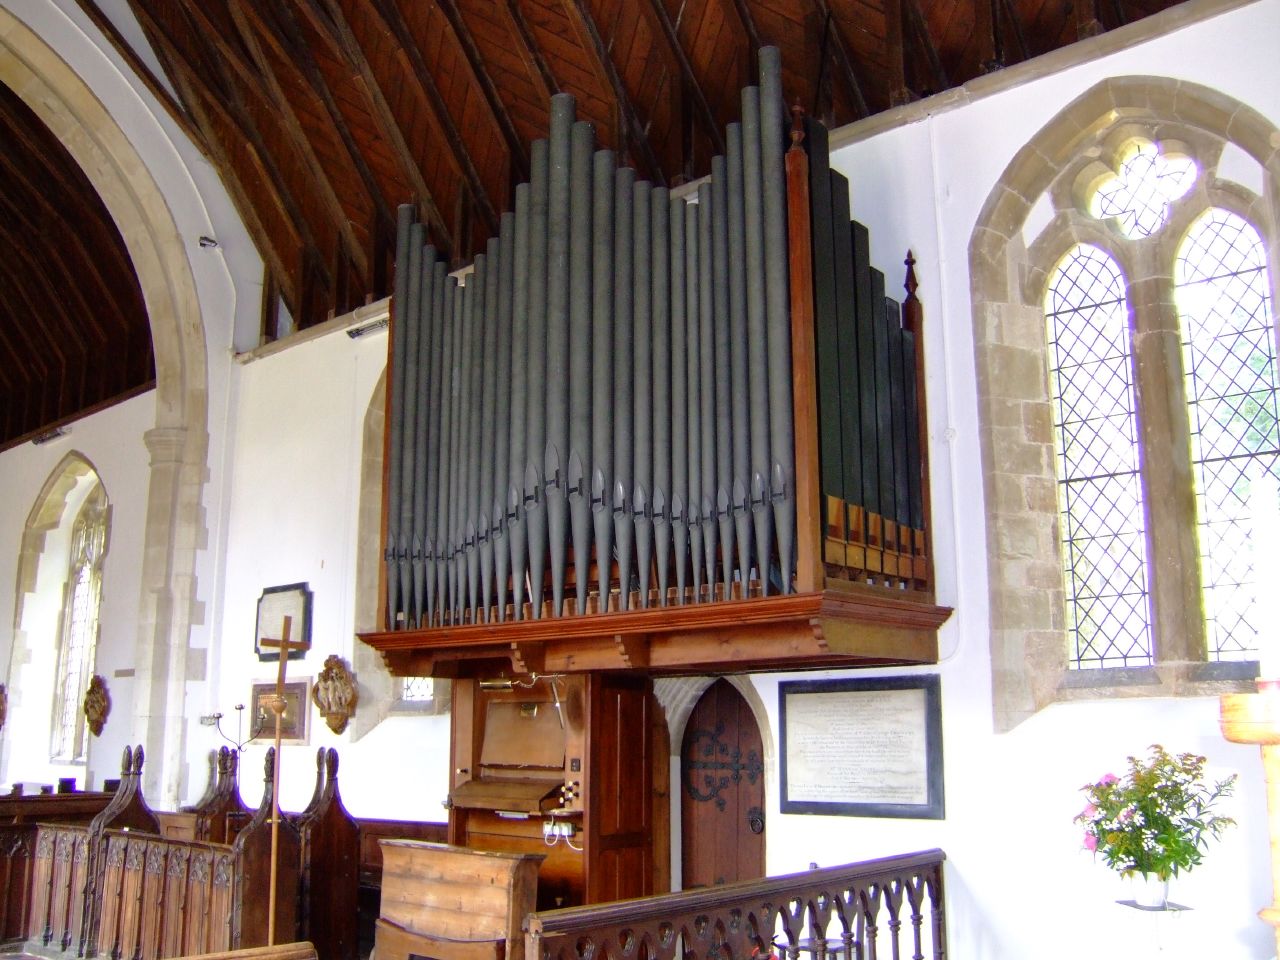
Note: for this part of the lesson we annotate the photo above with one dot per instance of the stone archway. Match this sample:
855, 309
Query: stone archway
178, 443
1027, 630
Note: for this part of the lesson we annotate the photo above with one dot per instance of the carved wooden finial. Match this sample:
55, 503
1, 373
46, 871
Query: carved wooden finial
126, 762
269, 767
797, 124
137, 760
331, 764
911, 283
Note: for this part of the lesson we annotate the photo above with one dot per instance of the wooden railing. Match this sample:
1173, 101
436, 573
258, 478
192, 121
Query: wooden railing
892, 907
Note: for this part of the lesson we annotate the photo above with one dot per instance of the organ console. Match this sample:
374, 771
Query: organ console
658, 432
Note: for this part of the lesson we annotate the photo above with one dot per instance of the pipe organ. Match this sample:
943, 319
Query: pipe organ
634, 401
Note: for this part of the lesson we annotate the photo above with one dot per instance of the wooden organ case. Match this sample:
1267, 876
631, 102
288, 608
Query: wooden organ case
571, 754
648, 435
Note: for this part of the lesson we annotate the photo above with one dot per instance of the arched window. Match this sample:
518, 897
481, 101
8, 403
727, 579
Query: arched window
1104, 549
1224, 306
78, 638
1175, 182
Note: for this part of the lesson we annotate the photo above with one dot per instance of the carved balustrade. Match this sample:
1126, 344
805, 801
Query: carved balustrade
892, 907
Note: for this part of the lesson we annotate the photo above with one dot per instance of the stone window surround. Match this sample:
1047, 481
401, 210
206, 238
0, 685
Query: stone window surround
1027, 599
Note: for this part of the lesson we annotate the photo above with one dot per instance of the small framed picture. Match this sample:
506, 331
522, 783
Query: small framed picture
292, 600
293, 722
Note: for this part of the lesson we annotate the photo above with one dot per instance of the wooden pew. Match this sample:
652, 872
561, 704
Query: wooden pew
117, 888
329, 867
451, 903
301, 950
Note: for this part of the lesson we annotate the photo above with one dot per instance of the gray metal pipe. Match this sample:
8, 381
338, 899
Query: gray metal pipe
409, 429
473, 311
555, 456
602, 405
773, 187
707, 397
421, 546
623, 373
488, 426
741, 424
535, 409
757, 337
437, 440
678, 403
726, 408
517, 529
642, 384
660, 327
457, 420
693, 390
580, 356
502, 414
399, 304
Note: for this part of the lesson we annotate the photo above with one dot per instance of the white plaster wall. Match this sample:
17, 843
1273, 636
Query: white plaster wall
1019, 881
111, 440
293, 506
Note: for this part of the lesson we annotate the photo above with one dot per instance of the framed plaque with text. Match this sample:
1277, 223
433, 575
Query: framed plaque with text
862, 748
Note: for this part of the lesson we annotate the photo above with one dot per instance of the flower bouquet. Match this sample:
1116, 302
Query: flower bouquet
1157, 819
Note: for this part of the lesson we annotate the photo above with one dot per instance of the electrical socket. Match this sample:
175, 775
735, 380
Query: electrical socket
554, 829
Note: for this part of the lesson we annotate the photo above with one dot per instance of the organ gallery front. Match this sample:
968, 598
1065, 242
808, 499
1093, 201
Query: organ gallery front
650, 432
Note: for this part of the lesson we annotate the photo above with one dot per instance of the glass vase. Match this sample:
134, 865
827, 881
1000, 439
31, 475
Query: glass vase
1150, 892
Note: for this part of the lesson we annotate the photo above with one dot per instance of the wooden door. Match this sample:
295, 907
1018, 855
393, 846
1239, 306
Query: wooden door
722, 791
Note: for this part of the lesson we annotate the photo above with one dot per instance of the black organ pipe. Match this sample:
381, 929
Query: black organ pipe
536, 413
435, 454
602, 402
898, 411
400, 301
741, 426
642, 385
707, 375
580, 356
773, 191
502, 413
757, 343
660, 311
555, 457
418, 515
868, 492
884, 416
846, 421
488, 427
623, 371
693, 406
678, 403
517, 529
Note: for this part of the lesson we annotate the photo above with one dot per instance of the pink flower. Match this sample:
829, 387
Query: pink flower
1088, 811
1091, 843
1107, 778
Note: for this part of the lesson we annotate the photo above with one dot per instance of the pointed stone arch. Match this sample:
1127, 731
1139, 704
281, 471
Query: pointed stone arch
68, 487
1007, 271
179, 441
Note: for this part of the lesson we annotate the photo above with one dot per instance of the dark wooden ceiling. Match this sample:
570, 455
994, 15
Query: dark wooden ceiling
323, 115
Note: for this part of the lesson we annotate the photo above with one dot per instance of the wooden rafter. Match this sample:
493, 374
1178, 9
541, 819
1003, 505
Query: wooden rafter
1015, 23
247, 26
897, 52
921, 27
390, 15
241, 117
179, 70
158, 90
300, 53
331, 26
840, 55
703, 108
498, 109
528, 49
749, 25
589, 37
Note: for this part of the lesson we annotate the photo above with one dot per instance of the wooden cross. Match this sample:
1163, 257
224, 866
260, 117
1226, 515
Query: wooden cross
278, 703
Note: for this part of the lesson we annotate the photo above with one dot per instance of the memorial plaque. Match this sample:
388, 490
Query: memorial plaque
870, 748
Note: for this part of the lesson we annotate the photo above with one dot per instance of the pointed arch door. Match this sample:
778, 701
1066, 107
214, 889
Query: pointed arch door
722, 791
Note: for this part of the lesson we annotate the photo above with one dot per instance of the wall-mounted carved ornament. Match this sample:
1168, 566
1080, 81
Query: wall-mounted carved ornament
97, 704
335, 693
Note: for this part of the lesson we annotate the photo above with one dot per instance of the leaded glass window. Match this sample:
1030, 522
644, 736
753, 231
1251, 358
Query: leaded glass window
1099, 489
1138, 195
417, 689
79, 635
1229, 356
